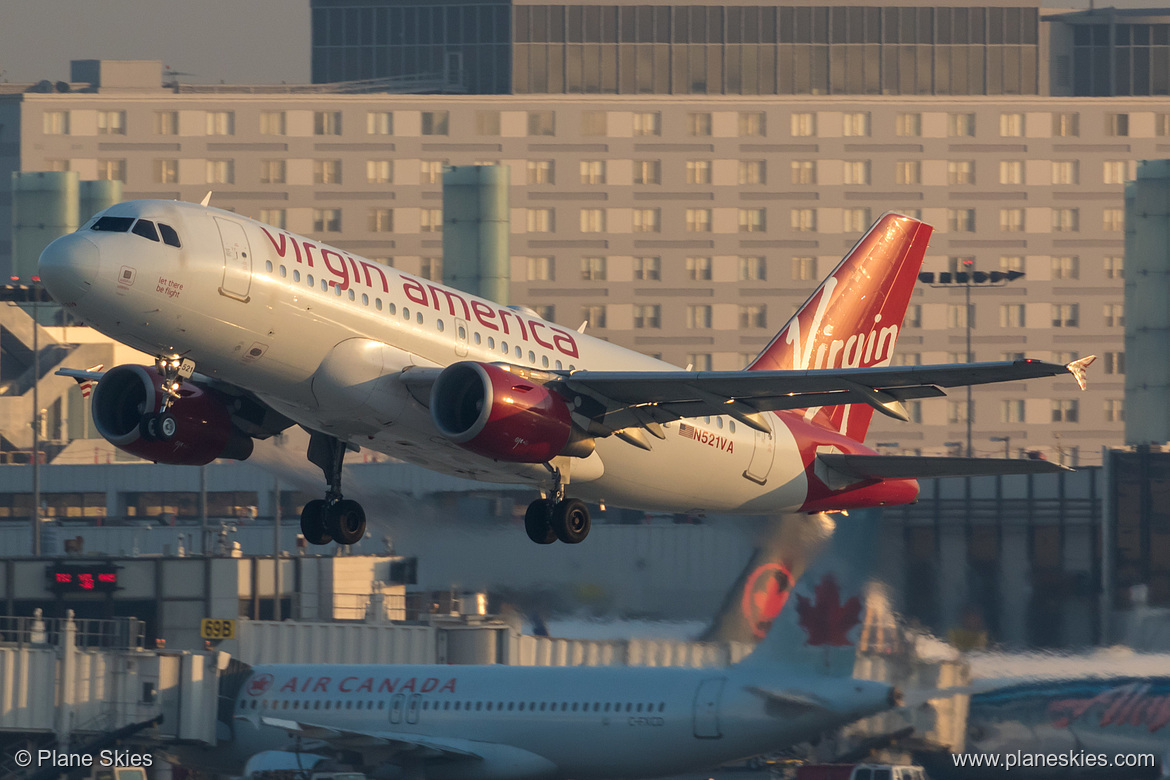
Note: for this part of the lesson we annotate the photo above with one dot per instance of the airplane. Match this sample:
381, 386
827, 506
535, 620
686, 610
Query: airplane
496, 721
287, 330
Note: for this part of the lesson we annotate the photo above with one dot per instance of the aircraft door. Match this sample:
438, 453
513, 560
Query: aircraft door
237, 260
707, 708
763, 452
397, 704
461, 337
412, 708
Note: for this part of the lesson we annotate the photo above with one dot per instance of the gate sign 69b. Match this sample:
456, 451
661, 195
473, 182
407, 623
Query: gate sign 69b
217, 628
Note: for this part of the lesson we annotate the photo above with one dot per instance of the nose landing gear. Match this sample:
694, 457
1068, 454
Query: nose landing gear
332, 519
557, 517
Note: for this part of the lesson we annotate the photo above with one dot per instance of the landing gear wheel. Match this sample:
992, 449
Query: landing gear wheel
346, 521
165, 427
570, 520
313, 523
148, 427
537, 522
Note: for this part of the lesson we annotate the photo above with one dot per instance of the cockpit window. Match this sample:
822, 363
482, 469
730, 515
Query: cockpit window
113, 224
145, 228
169, 236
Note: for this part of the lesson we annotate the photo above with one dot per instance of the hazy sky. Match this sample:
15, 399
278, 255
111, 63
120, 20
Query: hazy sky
237, 41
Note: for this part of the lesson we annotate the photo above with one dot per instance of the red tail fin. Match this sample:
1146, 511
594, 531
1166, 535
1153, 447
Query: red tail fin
853, 319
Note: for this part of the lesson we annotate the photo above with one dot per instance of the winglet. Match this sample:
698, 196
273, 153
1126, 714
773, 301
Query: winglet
1077, 369
206, 199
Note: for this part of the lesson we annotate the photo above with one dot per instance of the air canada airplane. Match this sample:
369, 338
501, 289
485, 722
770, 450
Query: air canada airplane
286, 330
479, 722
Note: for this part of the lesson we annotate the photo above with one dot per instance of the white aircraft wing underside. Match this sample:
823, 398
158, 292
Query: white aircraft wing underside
381, 741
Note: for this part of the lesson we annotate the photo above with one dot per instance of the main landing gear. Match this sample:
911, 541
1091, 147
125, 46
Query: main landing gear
162, 425
557, 517
332, 519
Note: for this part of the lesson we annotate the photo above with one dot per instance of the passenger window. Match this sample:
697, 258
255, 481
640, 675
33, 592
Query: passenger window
336, 288
418, 318
296, 275
113, 224
351, 294
504, 347
558, 365
268, 266
283, 272
309, 279
531, 356
378, 304
145, 228
519, 351
544, 361
365, 299
491, 342
325, 287
405, 313
477, 338
719, 423
392, 308
169, 236
439, 324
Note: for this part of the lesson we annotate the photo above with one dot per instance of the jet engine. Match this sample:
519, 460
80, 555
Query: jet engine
505, 416
200, 429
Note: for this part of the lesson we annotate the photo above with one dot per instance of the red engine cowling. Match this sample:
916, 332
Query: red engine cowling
500, 415
204, 432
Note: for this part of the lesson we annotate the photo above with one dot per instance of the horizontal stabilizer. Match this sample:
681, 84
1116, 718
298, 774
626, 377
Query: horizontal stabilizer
801, 700
915, 466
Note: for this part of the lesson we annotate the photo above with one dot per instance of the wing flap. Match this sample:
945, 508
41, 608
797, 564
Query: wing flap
359, 740
924, 466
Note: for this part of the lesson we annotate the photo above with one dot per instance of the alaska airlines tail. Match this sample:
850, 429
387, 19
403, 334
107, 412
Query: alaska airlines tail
852, 320
818, 628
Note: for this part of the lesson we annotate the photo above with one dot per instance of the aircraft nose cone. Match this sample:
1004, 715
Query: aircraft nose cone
68, 267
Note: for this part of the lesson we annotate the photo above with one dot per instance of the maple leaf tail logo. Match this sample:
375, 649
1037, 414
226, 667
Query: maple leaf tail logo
825, 619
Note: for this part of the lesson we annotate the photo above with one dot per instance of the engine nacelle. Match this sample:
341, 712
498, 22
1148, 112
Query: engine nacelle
497, 414
204, 432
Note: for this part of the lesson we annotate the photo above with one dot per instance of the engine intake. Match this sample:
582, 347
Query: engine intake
204, 432
490, 411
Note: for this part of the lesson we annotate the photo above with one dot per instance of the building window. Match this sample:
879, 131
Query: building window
699, 124
752, 221
221, 171
166, 171
1011, 263
856, 220
594, 315
913, 318
593, 269
111, 122
699, 269
1011, 220
647, 316
275, 217
224, 122
546, 313
56, 123
381, 220
647, 171
1117, 124
753, 315
272, 172
1114, 362
960, 315
906, 359
908, 125
961, 172
1115, 315
752, 124
540, 269
804, 269
1115, 171
958, 412
908, 172
542, 123
379, 123
327, 171
1114, 410
430, 220
1011, 411
698, 171
1011, 315
857, 172
1011, 172
326, 220
1066, 267
699, 316
648, 269
752, 172
647, 220
487, 122
1066, 220
752, 269
166, 122
961, 220
111, 170
1064, 410
431, 268
1066, 315
698, 220
592, 220
647, 123
1065, 172
431, 171
1113, 220
541, 172
1115, 267
1066, 125
699, 361
379, 171
961, 125
1011, 125
594, 123
1162, 125
856, 124
804, 125
435, 122
273, 123
804, 220
804, 172
593, 171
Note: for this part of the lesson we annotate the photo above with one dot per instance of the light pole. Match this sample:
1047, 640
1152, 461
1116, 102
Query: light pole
967, 278
36, 432
1007, 444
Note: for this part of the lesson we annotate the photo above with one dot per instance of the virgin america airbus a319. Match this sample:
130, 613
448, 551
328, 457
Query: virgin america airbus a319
285, 330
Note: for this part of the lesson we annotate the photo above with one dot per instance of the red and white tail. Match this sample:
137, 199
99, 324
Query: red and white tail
852, 320
87, 383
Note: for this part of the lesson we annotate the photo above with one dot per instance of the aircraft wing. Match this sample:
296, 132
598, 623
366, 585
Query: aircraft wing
378, 741
648, 398
915, 466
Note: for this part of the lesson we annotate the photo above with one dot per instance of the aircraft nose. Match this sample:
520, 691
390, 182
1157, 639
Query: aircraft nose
68, 267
